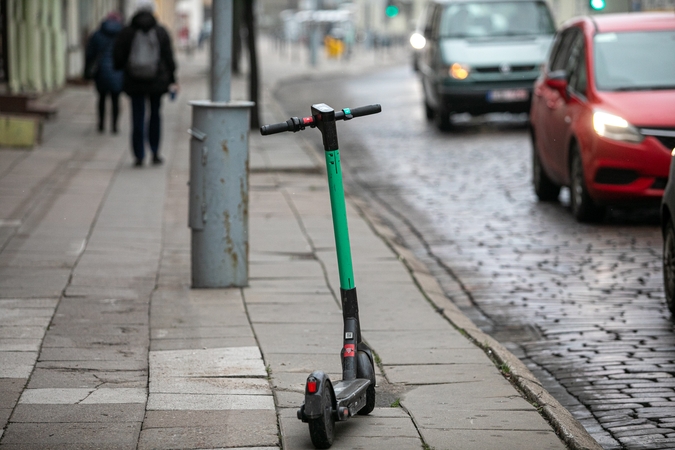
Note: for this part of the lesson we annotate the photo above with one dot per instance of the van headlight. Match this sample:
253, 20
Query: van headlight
615, 127
418, 41
459, 71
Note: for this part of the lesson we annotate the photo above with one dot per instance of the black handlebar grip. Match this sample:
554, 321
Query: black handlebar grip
365, 110
275, 128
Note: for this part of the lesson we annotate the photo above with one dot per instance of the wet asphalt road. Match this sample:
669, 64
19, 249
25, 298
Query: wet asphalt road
581, 305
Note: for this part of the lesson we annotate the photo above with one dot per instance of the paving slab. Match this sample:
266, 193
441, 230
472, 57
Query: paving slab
65, 396
10, 391
298, 270
116, 395
200, 332
91, 289
32, 282
202, 343
100, 365
481, 439
305, 338
116, 353
304, 363
63, 336
16, 317
220, 362
17, 364
20, 345
209, 429
317, 310
73, 378
54, 396
110, 435
440, 373
22, 332
206, 402
258, 296
212, 386
80, 413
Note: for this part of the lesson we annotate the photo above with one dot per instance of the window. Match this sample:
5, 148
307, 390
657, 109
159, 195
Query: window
561, 52
576, 65
507, 18
638, 60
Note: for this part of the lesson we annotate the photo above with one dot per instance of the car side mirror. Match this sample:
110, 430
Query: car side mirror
557, 80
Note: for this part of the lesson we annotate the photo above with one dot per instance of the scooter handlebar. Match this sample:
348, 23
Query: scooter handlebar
365, 110
274, 128
296, 124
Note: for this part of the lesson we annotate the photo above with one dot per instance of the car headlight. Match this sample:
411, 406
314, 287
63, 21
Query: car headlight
615, 127
417, 41
459, 71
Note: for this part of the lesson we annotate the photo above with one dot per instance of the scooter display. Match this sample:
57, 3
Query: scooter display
327, 402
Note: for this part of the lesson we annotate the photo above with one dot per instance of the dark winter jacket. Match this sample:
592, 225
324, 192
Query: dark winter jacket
144, 20
100, 47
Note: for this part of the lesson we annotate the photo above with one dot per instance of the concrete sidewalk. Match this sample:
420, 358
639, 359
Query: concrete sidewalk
104, 345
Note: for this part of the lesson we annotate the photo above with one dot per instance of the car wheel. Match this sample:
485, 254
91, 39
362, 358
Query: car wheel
545, 189
583, 207
669, 265
442, 119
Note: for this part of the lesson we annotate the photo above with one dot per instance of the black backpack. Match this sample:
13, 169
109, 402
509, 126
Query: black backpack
143, 62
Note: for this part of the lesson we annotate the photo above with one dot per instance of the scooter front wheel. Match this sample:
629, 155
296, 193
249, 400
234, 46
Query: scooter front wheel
322, 429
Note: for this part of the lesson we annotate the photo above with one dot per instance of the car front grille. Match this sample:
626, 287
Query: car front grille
505, 69
665, 135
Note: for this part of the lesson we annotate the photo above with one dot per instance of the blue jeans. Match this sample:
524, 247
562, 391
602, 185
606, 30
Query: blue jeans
138, 133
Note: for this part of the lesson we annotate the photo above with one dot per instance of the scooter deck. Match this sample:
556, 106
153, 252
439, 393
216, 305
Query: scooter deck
350, 396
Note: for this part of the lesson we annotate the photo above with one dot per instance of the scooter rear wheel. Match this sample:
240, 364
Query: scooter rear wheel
322, 429
367, 371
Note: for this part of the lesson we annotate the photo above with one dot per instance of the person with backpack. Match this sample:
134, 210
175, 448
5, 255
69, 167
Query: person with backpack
99, 67
143, 50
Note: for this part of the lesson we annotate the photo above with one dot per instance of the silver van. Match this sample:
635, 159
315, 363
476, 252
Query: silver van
482, 56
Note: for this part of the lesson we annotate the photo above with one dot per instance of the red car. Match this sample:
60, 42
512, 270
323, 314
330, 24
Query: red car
603, 112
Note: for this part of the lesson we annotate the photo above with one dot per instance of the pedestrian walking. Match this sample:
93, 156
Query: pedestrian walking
143, 50
99, 67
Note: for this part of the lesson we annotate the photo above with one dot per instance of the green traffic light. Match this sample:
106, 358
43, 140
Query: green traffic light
598, 5
391, 11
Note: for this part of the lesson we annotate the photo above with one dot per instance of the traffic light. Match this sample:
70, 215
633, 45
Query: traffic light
391, 10
597, 5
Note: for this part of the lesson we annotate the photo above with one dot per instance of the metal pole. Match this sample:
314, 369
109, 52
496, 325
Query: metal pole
218, 209
221, 51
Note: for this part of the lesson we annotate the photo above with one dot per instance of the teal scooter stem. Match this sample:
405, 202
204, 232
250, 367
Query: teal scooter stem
326, 402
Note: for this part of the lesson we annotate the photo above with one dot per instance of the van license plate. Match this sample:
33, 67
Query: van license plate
507, 95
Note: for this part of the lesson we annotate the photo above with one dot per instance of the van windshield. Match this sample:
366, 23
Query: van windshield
493, 19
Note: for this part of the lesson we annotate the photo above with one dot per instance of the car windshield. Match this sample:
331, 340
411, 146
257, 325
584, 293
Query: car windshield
492, 19
632, 61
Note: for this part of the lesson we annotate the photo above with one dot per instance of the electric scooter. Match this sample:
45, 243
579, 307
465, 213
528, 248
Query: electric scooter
325, 402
